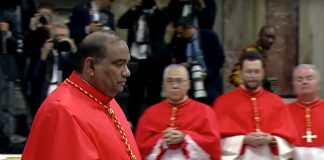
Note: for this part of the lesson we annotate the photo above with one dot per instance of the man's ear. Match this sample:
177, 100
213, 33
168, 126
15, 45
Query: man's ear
89, 66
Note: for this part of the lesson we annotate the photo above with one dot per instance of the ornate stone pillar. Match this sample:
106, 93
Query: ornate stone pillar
282, 14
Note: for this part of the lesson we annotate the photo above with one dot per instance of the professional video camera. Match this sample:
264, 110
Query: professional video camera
198, 81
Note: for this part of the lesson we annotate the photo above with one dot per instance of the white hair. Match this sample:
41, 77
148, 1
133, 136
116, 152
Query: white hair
309, 66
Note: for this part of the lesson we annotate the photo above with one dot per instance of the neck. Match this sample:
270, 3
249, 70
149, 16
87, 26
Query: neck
250, 90
178, 102
84, 78
308, 98
88, 80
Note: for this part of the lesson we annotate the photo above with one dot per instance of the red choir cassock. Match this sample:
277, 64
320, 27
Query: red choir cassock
237, 115
298, 113
72, 126
194, 119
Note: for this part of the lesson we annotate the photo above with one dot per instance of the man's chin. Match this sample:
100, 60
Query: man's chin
175, 97
267, 47
252, 87
121, 89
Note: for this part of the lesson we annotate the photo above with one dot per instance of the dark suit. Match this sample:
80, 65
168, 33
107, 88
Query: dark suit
44, 70
81, 17
33, 44
214, 58
146, 78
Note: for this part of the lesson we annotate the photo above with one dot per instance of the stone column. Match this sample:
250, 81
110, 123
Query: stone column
282, 14
311, 37
241, 21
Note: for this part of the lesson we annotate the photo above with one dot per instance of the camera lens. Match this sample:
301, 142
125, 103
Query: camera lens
44, 19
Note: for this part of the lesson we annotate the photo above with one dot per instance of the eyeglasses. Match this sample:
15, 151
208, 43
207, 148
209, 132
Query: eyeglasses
171, 81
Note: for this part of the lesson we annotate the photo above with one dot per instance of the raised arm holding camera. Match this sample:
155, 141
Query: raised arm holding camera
146, 21
40, 25
203, 12
202, 53
89, 17
43, 17
56, 59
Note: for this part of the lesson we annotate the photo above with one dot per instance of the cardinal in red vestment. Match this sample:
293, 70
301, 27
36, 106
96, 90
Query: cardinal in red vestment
254, 123
81, 120
307, 113
178, 127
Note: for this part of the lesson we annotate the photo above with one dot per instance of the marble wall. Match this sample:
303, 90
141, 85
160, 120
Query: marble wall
311, 35
300, 35
282, 14
240, 23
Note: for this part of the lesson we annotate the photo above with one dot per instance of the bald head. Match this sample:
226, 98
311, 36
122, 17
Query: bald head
176, 82
180, 68
95, 45
101, 37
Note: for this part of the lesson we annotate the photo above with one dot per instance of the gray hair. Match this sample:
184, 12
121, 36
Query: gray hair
309, 66
175, 66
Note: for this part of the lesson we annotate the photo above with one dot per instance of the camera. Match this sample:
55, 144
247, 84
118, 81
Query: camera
61, 46
198, 81
44, 18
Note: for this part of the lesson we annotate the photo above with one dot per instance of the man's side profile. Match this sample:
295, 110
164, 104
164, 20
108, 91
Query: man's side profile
81, 120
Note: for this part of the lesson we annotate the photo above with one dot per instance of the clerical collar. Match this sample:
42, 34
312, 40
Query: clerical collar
179, 103
103, 98
309, 103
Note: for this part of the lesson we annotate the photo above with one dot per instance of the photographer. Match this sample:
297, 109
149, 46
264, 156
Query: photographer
91, 16
203, 11
7, 125
43, 18
200, 51
55, 60
13, 18
146, 21
8, 75
39, 26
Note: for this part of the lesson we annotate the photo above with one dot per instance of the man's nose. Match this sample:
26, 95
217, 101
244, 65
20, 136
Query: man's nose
126, 72
253, 74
